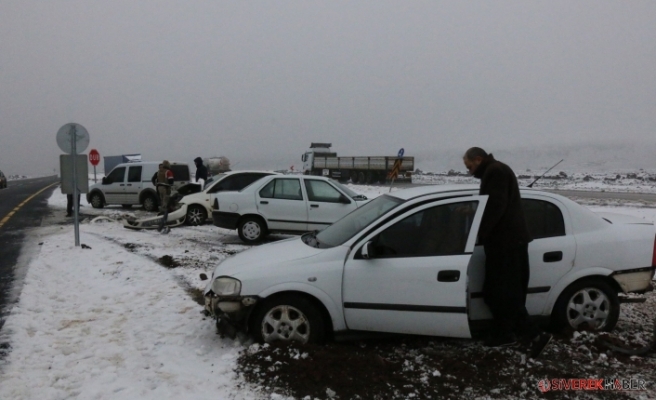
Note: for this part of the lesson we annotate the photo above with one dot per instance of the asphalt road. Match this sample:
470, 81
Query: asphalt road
23, 204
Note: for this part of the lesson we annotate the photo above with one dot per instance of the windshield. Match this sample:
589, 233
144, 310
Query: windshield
344, 229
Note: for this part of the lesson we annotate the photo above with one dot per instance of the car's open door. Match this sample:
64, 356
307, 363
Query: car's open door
410, 274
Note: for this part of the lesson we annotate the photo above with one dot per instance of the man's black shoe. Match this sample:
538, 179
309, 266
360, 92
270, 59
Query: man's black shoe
539, 343
501, 341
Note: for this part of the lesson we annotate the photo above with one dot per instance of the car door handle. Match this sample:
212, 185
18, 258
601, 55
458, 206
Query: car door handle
314, 205
129, 184
448, 276
121, 184
264, 202
552, 256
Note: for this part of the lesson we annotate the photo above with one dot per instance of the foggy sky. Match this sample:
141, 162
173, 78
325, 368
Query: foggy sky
257, 81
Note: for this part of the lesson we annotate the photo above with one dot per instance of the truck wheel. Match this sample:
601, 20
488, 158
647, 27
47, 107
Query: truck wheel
588, 304
372, 177
196, 215
97, 201
354, 176
251, 230
361, 177
288, 318
150, 203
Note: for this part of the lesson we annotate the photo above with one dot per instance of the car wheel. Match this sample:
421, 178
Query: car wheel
97, 201
126, 205
196, 215
288, 318
251, 230
587, 305
150, 203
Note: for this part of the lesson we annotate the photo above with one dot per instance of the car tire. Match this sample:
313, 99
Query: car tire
590, 304
288, 318
196, 215
97, 200
126, 205
252, 230
150, 203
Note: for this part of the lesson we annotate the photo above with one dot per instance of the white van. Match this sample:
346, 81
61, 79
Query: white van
130, 183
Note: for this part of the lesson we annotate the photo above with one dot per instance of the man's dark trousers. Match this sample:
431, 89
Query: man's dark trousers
507, 273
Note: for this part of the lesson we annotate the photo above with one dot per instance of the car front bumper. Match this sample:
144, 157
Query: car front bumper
231, 314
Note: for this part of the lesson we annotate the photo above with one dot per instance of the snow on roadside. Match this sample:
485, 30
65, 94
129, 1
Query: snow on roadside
103, 323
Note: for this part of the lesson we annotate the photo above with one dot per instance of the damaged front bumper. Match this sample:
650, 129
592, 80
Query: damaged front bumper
231, 313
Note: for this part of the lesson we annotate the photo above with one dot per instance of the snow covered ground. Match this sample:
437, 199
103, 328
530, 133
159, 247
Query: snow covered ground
618, 181
117, 318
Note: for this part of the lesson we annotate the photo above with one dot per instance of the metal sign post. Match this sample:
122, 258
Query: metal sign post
72, 138
73, 134
397, 167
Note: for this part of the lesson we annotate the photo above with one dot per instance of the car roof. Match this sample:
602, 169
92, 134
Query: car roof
410, 193
465, 189
249, 171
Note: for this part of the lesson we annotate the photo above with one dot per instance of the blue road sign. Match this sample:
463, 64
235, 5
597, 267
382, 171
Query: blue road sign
401, 152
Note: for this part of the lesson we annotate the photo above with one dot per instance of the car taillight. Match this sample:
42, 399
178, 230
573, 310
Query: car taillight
215, 206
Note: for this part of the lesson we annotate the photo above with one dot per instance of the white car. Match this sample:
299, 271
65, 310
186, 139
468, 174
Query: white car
284, 203
198, 206
131, 184
408, 262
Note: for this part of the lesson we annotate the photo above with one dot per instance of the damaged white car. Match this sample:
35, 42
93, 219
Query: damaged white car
408, 262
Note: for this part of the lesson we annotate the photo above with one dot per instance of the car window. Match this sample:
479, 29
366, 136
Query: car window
180, 172
436, 231
544, 219
134, 174
117, 175
321, 191
236, 182
284, 188
245, 180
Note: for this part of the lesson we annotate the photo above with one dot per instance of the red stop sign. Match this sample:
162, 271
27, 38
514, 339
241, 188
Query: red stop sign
94, 157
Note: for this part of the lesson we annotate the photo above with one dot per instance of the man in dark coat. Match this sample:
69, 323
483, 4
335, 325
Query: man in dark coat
505, 238
201, 170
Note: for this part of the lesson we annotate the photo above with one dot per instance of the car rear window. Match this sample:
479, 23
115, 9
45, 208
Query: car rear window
544, 219
180, 172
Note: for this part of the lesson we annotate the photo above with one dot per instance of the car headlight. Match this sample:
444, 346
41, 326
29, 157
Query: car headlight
225, 286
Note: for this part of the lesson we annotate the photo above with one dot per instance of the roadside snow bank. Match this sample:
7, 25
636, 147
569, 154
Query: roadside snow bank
103, 323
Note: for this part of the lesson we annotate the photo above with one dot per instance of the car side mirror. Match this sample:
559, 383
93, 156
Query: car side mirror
368, 250
344, 200
106, 181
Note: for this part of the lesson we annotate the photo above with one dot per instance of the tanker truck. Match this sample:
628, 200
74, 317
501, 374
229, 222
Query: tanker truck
217, 165
320, 160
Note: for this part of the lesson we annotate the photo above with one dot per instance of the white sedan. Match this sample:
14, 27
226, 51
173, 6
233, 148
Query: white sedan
288, 204
408, 262
196, 207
